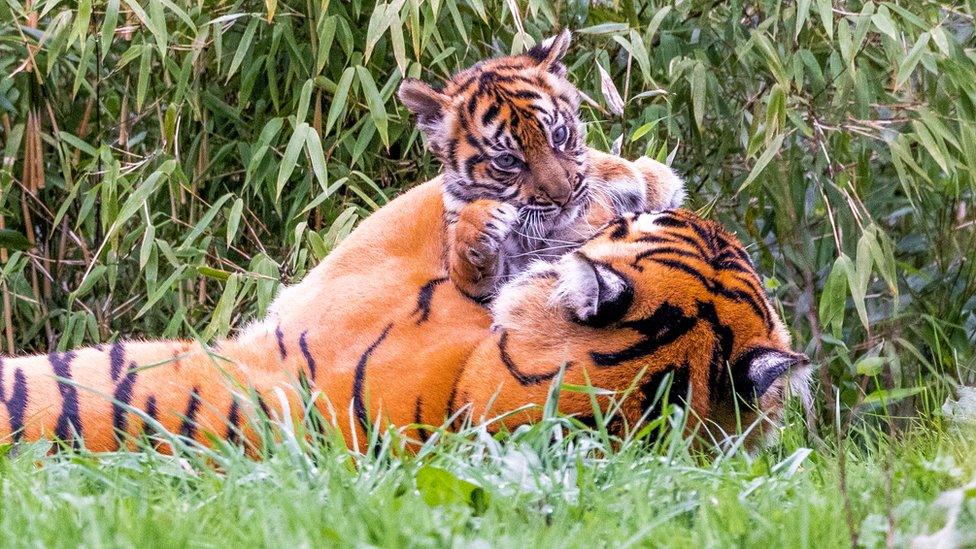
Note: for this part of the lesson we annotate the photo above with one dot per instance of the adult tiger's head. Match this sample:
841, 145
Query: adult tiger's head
507, 129
658, 293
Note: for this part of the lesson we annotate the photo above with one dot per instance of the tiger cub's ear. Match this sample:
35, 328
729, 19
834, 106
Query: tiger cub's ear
427, 104
549, 53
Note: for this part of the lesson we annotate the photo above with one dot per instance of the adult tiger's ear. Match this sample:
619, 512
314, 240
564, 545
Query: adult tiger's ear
550, 52
595, 294
766, 365
427, 104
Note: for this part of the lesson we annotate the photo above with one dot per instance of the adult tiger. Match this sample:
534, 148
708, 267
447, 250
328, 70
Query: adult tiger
601, 311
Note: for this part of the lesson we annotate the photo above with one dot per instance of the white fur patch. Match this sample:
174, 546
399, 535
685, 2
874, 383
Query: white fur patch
645, 222
583, 286
258, 330
509, 297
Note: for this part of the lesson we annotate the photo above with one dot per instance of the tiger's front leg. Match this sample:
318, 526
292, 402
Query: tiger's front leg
476, 261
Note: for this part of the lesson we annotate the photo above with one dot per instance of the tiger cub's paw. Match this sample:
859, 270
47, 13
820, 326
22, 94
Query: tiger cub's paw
594, 294
481, 230
497, 222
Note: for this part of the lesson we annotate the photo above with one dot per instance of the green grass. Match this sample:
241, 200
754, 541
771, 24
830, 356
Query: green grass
524, 490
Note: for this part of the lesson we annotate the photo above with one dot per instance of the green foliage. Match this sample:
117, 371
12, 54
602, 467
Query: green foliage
550, 485
194, 155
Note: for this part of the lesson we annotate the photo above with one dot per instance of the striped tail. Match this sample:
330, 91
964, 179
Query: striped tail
108, 397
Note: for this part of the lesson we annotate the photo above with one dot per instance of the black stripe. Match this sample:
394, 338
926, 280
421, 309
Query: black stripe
473, 104
69, 421
418, 420
526, 94
676, 391
707, 237
664, 326
721, 350
666, 250
452, 145
188, 428
17, 403
523, 378
233, 422
668, 219
618, 228
664, 238
717, 288
756, 297
149, 430
116, 359
264, 407
424, 297
359, 405
490, 114
734, 264
473, 141
469, 165
451, 404
303, 345
121, 399
280, 336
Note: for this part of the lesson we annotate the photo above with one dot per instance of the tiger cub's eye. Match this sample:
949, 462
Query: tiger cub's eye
505, 161
560, 135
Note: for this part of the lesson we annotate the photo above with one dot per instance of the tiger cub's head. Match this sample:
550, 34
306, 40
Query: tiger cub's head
507, 129
659, 293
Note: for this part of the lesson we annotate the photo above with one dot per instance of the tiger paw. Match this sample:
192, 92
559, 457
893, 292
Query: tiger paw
479, 235
496, 221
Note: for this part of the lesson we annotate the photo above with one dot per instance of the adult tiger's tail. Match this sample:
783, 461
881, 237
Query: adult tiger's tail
110, 395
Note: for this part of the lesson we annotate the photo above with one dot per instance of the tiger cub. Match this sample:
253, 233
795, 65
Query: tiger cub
519, 180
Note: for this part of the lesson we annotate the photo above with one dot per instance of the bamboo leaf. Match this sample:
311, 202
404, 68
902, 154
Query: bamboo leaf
802, 12
907, 66
109, 22
234, 220
377, 109
314, 148
325, 36
304, 97
155, 22
242, 47
290, 158
340, 98
764, 159
698, 82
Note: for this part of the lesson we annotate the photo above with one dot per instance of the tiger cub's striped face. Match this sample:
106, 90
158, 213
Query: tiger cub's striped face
507, 129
